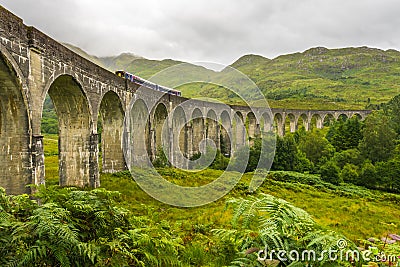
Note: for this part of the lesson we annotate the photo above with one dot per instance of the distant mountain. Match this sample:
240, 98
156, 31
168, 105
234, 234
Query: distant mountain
318, 78
326, 78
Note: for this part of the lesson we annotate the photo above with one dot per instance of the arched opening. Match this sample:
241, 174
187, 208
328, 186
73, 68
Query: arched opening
139, 134
358, 116
328, 120
342, 117
316, 122
160, 132
15, 166
279, 126
49, 130
225, 136
197, 132
212, 131
290, 123
74, 133
302, 122
179, 146
110, 130
265, 123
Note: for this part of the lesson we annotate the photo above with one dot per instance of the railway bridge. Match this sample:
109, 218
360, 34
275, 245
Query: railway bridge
33, 65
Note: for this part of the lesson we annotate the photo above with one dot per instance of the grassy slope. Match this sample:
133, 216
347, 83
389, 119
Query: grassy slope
356, 217
318, 78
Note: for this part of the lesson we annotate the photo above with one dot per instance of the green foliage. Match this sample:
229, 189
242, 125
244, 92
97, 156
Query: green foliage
349, 173
316, 147
330, 173
212, 158
389, 174
379, 137
285, 153
288, 157
49, 117
80, 228
392, 109
350, 156
265, 221
161, 159
344, 135
368, 176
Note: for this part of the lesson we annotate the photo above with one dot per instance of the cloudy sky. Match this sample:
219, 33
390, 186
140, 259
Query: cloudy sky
213, 30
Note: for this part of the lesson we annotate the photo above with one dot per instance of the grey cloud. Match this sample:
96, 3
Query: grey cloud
213, 30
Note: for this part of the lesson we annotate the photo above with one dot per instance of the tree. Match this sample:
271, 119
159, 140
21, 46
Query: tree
349, 173
389, 174
379, 137
330, 173
352, 156
316, 147
368, 176
288, 157
392, 109
346, 134
285, 153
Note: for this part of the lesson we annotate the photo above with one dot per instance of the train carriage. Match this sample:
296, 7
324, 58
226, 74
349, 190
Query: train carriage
136, 79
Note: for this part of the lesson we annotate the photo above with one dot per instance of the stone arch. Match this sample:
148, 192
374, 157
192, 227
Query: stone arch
196, 132
139, 134
358, 116
302, 121
160, 130
316, 121
342, 117
290, 123
179, 145
251, 126
279, 124
111, 116
265, 123
328, 120
212, 128
15, 129
74, 130
225, 134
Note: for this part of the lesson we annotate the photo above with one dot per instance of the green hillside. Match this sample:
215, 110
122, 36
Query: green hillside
348, 77
318, 78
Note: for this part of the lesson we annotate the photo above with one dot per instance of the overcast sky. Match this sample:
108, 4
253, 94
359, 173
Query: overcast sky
213, 30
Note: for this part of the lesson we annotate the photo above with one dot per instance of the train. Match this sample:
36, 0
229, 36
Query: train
142, 82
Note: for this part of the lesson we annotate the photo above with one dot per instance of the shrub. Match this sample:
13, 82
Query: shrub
330, 173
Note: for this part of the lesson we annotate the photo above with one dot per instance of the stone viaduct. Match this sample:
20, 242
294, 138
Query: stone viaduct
33, 65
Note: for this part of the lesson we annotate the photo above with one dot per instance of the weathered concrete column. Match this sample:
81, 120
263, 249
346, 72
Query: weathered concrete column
198, 131
257, 130
293, 126
251, 125
94, 176
15, 132
240, 132
212, 132
281, 128
38, 170
306, 124
179, 138
189, 130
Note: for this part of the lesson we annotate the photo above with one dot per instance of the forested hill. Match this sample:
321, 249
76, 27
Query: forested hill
318, 78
